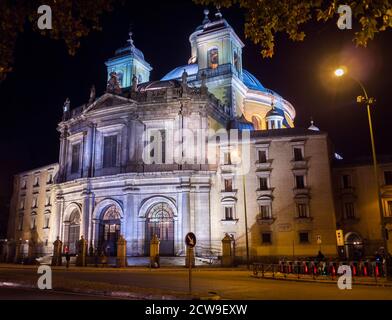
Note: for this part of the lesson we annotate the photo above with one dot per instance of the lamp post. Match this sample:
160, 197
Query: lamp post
369, 101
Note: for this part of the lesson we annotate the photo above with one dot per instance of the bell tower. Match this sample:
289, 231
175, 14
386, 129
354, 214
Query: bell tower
127, 62
217, 51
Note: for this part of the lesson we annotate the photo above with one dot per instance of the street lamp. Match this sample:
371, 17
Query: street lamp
369, 101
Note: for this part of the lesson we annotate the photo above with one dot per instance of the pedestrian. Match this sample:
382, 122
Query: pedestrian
67, 259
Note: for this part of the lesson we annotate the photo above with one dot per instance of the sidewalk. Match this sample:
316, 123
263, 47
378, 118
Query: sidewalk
368, 281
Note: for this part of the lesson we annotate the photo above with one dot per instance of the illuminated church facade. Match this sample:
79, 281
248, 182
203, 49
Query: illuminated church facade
103, 187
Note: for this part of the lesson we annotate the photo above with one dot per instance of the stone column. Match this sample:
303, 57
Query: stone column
227, 252
57, 252
121, 252
186, 218
81, 258
154, 252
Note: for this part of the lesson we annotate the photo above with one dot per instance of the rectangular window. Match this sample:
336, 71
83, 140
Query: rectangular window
47, 220
75, 158
22, 204
265, 212
346, 181
229, 213
50, 178
304, 237
110, 151
47, 202
298, 155
23, 184
300, 182
266, 238
389, 208
36, 181
388, 177
34, 203
303, 210
262, 156
228, 185
33, 223
263, 183
349, 212
20, 222
227, 158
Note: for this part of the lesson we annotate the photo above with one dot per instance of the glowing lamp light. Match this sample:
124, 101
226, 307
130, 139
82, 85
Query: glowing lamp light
339, 72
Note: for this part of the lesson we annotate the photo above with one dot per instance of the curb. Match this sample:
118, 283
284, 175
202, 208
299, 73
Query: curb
386, 285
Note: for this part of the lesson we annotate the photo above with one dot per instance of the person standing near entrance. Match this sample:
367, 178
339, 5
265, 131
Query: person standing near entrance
67, 259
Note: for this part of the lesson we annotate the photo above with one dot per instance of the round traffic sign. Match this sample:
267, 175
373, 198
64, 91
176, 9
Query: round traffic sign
190, 239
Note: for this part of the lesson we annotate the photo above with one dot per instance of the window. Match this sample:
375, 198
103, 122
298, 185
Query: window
75, 158
213, 58
34, 203
346, 181
36, 181
46, 221
227, 158
110, 151
300, 182
23, 184
262, 156
303, 210
50, 178
228, 185
33, 222
389, 209
388, 177
266, 238
263, 183
236, 61
349, 211
265, 212
22, 204
20, 222
298, 155
304, 237
229, 213
47, 201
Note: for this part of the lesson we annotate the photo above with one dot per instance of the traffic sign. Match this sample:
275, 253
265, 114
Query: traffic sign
190, 239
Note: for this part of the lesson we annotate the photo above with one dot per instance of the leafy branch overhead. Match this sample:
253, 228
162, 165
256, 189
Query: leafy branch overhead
71, 21
265, 18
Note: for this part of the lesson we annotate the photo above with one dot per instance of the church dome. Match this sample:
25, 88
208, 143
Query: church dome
241, 124
275, 112
176, 73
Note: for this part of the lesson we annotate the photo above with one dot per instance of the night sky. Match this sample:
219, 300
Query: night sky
32, 96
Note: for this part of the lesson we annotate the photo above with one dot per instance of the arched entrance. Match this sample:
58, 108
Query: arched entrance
160, 221
72, 231
110, 228
354, 246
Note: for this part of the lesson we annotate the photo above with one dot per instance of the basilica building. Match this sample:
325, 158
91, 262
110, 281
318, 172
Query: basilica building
125, 166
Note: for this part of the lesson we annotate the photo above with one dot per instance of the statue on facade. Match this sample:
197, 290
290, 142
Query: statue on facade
184, 78
134, 83
113, 85
67, 105
92, 95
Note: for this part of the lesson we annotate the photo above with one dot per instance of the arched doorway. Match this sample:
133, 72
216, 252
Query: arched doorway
160, 221
72, 232
110, 228
354, 246
256, 122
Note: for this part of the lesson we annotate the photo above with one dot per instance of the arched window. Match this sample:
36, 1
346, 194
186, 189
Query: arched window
213, 58
236, 61
72, 231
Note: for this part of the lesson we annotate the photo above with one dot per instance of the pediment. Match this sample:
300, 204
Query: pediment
108, 100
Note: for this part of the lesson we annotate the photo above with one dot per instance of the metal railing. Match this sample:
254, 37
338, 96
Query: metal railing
320, 270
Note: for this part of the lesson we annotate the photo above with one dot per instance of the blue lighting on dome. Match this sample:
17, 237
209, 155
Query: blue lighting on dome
251, 81
191, 70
